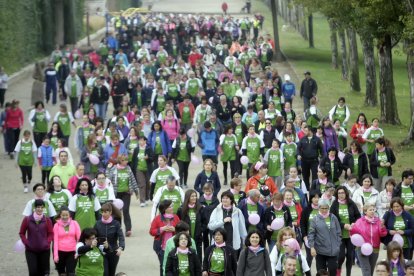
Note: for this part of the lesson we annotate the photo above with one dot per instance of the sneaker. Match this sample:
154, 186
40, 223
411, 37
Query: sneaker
25, 190
128, 233
11, 155
143, 204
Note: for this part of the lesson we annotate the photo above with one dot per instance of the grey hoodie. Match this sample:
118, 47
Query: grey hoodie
325, 240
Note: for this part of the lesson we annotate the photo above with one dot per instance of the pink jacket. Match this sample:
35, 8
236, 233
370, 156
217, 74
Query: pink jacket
172, 130
65, 241
371, 232
73, 181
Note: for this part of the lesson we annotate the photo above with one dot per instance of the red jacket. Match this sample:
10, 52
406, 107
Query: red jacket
193, 57
159, 222
371, 232
253, 182
14, 118
358, 129
181, 107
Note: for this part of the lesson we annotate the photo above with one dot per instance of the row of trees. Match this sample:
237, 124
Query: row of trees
380, 24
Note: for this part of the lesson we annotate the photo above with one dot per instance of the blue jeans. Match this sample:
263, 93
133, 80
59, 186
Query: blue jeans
100, 110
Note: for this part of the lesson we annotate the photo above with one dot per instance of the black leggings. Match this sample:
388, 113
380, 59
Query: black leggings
233, 169
45, 176
38, 262
26, 174
309, 257
329, 263
67, 263
2, 93
110, 263
183, 171
346, 251
12, 138
126, 198
38, 138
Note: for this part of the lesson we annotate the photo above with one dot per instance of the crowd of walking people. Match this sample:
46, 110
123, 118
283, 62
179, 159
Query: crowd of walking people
183, 82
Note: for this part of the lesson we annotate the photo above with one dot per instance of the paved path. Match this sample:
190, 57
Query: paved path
138, 258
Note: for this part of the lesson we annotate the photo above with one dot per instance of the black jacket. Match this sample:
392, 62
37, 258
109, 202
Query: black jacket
363, 168
311, 149
284, 114
243, 126
268, 137
374, 163
230, 260
242, 196
134, 162
176, 150
315, 188
112, 232
202, 178
208, 209
353, 212
104, 95
269, 216
171, 268
308, 88
304, 220
338, 168
257, 124
264, 102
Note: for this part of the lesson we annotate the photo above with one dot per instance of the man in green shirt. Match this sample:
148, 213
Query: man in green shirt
63, 169
169, 191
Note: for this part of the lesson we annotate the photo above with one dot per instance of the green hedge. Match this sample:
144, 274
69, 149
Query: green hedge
27, 29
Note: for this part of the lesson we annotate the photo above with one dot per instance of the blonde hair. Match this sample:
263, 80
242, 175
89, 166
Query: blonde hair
367, 206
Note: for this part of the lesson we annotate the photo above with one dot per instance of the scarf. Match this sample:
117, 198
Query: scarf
85, 124
269, 128
288, 204
342, 201
67, 223
323, 181
397, 214
191, 206
114, 144
250, 202
369, 190
287, 110
381, 150
315, 206
324, 216
251, 135
37, 217
99, 138
120, 167
370, 220
389, 195
208, 197
133, 137
107, 221
100, 186
254, 249
374, 128
226, 208
355, 152
278, 208
169, 216
182, 251
163, 169
332, 158
220, 245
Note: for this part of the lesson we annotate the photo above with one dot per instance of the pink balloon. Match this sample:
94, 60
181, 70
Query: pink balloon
254, 219
244, 160
341, 156
78, 114
357, 240
277, 223
366, 249
398, 238
118, 203
191, 132
19, 247
195, 159
94, 159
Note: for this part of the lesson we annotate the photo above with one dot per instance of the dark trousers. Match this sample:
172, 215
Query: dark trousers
233, 170
67, 263
249, 165
2, 93
45, 176
38, 138
309, 166
183, 171
12, 138
126, 198
206, 239
62, 88
110, 263
346, 251
53, 89
239, 166
38, 262
160, 255
309, 257
73, 104
26, 174
117, 100
328, 263
306, 103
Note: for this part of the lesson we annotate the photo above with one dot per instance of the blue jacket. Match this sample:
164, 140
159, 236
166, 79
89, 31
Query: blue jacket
208, 141
288, 90
165, 142
51, 77
47, 155
389, 220
109, 150
202, 179
260, 211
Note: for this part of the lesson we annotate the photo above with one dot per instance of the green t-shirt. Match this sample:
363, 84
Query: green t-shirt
142, 163
161, 179
237, 198
217, 260
340, 114
59, 199
253, 149
172, 90
192, 215
183, 154
400, 225
85, 212
252, 209
102, 195
274, 162
91, 263
407, 197
26, 157
374, 134
238, 131
86, 131
64, 123
40, 123
228, 147
289, 153
312, 215
355, 169
158, 147
382, 157
186, 118
278, 214
192, 87
133, 143
174, 196
366, 196
344, 216
123, 180
183, 265
203, 114
328, 222
160, 103
259, 102
322, 188
293, 212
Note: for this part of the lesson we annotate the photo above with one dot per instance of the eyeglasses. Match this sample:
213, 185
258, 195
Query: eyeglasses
324, 208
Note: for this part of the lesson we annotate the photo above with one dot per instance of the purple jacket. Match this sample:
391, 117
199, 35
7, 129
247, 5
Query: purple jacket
36, 236
329, 139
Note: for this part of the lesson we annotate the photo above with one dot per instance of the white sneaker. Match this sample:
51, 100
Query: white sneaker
143, 204
26, 190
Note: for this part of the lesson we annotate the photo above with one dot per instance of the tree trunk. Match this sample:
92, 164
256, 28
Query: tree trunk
353, 60
283, 3
344, 54
289, 12
302, 23
310, 26
389, 110
409, 45
278, 53
334, 44
370, 71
